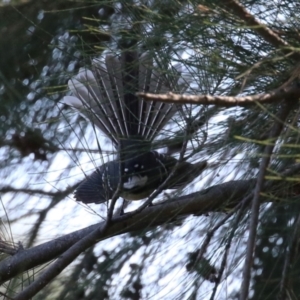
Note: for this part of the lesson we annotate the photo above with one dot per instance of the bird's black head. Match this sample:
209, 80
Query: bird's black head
137, 170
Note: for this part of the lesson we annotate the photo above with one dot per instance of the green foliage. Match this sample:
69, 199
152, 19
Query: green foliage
45, 148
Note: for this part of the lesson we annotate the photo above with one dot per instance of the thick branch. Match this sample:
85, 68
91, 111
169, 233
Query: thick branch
213, 199
227, 101
216, 198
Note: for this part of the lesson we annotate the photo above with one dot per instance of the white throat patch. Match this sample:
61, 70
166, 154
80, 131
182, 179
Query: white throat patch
135, 181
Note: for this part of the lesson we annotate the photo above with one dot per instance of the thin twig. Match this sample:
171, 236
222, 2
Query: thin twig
241, 206
11, 189
263, 30
222, 267
119, 187
86, 150
267, 34
6, 297
211, 232
275, 132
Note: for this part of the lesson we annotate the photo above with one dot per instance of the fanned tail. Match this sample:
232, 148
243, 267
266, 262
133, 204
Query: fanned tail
106, 95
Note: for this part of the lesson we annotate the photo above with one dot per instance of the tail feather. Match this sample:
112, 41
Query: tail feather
154, 115
109, 76
145, 73
160, 113
106, 96
97, 100
84, 86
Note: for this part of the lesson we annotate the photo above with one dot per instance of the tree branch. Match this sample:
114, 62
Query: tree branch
216, 198
226, 101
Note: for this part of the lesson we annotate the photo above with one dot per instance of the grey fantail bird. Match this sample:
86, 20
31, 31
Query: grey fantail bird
106, 96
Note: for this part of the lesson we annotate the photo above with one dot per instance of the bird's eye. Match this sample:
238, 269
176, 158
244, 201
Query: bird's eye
126, 170
136, 166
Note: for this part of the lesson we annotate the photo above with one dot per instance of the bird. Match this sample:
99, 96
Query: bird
105, 94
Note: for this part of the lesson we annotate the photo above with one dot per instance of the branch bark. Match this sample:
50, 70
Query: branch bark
226, 101
216, 198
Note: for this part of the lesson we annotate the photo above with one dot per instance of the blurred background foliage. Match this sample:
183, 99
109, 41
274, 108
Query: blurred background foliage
45, 148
